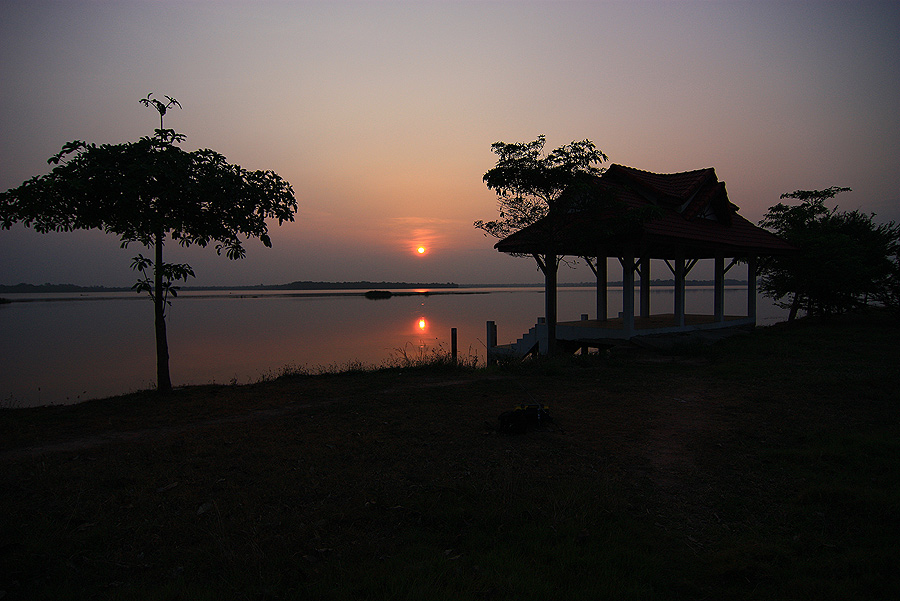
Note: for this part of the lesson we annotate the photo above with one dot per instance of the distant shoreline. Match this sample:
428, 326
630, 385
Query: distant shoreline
300, 285
309, 285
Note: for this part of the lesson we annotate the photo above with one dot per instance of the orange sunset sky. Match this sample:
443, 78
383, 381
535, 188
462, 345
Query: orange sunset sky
381, 114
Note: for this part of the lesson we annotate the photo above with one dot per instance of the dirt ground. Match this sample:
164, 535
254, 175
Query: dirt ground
759, 458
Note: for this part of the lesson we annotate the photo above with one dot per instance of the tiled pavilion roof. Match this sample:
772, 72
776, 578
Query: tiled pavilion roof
689, 215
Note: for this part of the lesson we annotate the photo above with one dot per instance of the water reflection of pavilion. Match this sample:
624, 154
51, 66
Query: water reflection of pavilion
636, 216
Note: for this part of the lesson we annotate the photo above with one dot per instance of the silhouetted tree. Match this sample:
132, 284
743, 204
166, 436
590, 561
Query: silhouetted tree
844, 258
529, 184
149, 191
532, 185
889, 292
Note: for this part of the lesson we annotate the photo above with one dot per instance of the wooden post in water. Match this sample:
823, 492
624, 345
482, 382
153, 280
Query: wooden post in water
453, 345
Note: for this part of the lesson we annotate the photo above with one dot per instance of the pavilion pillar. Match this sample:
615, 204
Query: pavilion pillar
719, 296
679, 290
602, 284
751, 288
550, 305
645, 285
628, 293
548, 263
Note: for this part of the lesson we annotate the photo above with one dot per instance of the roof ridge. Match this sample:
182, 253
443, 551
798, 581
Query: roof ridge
635, 169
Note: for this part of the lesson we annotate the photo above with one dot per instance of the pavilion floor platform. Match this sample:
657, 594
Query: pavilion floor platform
660, 331
613, 330
652, 322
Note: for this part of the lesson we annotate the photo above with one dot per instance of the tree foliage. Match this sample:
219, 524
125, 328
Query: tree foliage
530, 184
161, 107
171, 272
138, 189
889, 293
844, 259
147, 192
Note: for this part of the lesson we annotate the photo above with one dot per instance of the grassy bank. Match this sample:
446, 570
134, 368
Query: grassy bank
764, 467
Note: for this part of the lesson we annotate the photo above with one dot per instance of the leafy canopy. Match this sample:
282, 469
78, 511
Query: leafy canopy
169, 273
530, 184
146, 191
161, 107
844, 258
138, 190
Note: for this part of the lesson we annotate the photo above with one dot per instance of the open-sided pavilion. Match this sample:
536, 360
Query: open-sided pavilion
637, 216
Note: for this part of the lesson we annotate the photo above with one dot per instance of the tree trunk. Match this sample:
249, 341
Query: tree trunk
795, 306
163, 381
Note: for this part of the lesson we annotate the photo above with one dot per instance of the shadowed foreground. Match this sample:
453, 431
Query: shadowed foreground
762, 467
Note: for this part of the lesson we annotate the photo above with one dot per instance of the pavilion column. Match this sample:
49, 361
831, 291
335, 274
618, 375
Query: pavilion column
548, 263
602, 284
645, 285
550, 302
679, 290
751, 287
719, 297
628, 293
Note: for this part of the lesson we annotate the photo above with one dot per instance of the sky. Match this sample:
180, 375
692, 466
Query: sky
381, 114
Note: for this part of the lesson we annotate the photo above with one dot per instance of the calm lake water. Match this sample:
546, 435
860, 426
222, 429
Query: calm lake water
59, 351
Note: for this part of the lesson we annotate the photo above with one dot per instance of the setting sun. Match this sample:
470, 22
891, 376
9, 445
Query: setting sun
421, 250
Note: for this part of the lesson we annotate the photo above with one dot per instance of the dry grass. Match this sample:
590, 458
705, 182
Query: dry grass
762, 467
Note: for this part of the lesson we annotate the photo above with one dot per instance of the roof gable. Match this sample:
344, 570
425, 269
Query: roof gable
694, 217
668, 189
692, 194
